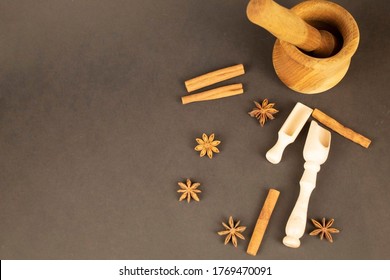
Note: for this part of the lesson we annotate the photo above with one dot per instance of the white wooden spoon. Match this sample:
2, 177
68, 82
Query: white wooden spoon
315, 153
289, 131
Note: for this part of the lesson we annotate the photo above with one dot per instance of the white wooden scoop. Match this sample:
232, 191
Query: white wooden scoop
289, 131
315, 153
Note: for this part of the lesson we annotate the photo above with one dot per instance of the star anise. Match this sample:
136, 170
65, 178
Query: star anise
189, 190
232, 231
207, 145
263, 112
324, 229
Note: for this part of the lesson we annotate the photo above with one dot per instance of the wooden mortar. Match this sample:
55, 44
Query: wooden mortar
306, 59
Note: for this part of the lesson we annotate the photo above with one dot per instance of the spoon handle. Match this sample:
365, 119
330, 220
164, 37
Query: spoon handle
274, 155
296, 224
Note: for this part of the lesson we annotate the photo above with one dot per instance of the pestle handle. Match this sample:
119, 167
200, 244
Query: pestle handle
287, 26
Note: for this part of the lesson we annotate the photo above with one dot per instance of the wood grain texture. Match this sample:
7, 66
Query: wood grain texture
308, 73
341, 129
262, 222
289, 27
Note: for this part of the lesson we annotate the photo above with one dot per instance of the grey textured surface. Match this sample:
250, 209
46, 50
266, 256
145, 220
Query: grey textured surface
93, 137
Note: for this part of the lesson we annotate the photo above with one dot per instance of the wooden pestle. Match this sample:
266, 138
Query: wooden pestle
287, 26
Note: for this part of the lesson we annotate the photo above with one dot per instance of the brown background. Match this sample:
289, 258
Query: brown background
93, 137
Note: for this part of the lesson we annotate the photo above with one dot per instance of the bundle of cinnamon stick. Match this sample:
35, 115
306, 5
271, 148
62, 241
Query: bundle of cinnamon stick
212, 78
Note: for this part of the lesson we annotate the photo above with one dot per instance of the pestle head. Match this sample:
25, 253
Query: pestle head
328, 45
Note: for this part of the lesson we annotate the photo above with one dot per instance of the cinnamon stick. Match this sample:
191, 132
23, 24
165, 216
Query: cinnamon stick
340, 129
262, 222
216, 93
214, 77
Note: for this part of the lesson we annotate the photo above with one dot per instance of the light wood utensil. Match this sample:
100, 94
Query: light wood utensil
289, 131
308, 58
315, 153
